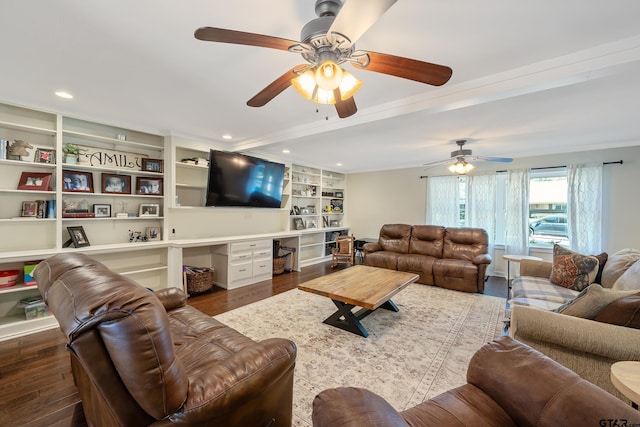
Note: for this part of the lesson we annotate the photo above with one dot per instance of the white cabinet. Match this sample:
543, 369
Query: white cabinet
249, 262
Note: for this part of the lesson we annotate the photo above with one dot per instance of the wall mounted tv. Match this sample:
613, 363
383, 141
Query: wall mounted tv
240, 180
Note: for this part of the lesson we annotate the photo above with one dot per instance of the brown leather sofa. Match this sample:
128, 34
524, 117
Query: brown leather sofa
508, 384
452, 258
142, 358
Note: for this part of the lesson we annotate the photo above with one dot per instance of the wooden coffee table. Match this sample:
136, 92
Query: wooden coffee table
362, 286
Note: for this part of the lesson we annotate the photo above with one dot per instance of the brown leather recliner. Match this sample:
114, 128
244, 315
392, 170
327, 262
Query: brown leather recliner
508, 384
143, 358
452, 258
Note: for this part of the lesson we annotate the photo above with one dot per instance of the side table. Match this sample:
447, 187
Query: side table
625, 376
515, 258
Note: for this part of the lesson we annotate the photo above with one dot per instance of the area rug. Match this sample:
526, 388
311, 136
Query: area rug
409, 356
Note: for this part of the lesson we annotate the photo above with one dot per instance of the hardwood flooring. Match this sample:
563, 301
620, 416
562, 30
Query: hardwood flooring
36, 385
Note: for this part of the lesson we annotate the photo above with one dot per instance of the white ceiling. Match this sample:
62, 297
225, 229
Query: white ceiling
529, 78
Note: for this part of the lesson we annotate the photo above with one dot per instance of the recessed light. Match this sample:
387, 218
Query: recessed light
285, 151
63, 94
227, 136
338, 164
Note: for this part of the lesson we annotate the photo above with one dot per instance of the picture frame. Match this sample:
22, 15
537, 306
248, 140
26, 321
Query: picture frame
311, 223
45, 155
29, 209
77, 181
152, 165
298, 223
149, 209
148, 186
102, 210
304, 211
35, 181
339, 194
152, 233
334, 223
312, 209
78, 237
116, 184
296, 210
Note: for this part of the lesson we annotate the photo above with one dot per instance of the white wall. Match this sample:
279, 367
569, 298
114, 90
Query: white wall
398, 196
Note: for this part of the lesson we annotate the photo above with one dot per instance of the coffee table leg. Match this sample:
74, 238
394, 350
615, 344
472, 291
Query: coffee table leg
346, 320
390, 305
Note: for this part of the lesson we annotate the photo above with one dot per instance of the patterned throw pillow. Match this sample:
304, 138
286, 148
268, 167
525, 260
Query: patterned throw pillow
571, 269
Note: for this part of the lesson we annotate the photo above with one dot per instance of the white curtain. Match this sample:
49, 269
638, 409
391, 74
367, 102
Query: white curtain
517, 215
584, 204
481, 208
443, 201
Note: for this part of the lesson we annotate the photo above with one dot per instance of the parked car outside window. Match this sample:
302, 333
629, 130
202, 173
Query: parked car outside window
550, 225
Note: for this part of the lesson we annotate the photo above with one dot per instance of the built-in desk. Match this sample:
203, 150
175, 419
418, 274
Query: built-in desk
237, 260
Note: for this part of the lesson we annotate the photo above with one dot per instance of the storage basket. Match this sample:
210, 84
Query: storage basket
278, 265
199, 280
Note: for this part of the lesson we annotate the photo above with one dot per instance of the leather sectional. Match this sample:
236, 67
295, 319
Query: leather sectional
452, 258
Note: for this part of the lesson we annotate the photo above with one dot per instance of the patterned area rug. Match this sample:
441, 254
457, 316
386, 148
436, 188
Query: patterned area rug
409, 356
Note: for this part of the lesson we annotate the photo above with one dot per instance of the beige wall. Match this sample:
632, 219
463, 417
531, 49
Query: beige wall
398, 196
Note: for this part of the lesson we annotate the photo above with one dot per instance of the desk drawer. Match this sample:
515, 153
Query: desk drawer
252, 245
262, 266
262, 253
235, 258
240, 271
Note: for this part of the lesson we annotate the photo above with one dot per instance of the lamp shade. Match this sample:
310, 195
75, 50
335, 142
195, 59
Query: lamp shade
305, 84
349, 85
328, 75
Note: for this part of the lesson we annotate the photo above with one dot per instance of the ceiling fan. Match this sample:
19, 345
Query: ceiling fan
328, 41
461, 158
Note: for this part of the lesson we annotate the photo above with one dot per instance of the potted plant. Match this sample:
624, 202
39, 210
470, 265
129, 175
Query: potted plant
71, 152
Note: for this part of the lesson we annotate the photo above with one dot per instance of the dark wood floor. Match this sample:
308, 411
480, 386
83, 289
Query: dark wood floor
36, 385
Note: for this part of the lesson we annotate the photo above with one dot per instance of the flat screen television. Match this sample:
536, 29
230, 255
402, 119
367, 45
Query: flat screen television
240, 180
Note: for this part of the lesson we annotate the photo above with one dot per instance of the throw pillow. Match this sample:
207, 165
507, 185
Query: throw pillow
571, 269
591, 301
617, 264
623, 312
630, 279
602, 260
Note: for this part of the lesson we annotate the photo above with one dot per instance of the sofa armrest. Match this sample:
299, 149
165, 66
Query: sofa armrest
529, 267
574, 333
482, 259
371, 247
171, 297
353, 407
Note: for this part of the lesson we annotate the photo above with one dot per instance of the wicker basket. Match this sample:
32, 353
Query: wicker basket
278, 265
199, 282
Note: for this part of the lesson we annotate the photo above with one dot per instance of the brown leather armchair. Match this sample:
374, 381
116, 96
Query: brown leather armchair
508, 384
144, 358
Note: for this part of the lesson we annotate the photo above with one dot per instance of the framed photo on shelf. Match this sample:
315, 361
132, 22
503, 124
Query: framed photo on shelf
75, 181
304, 211
38, 181
78, 237
334, 223
44, 155
298, 223
150, 186
152, 233
339, 194
102, 210
149, 209
152, 165
311, 223
116, 184
29, 209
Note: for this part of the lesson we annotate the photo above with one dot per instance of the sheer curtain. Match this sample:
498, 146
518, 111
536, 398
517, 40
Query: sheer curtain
584, 204
443, 201
517, 215
481, 208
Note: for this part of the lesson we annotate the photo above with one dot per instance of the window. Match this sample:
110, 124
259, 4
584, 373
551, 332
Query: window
547, 207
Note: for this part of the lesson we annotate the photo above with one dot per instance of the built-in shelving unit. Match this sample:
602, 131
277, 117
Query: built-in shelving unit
104, 149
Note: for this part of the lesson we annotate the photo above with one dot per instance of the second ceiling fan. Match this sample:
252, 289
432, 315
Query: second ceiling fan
327, 42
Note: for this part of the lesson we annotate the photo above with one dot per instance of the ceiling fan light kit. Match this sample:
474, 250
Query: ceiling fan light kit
461, 167
327, 42
462, 158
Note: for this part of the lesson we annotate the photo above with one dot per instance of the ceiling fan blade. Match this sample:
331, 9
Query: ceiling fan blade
221, 35
357, 16
412, 69
495, 159
344, 108
436, 163
273, 89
